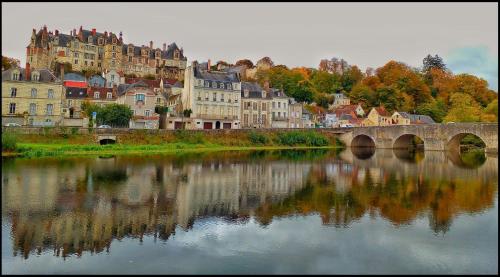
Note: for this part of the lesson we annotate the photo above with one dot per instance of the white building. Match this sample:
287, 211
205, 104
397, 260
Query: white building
214, 97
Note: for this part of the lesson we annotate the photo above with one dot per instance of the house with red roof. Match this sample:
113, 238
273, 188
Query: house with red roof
377, 116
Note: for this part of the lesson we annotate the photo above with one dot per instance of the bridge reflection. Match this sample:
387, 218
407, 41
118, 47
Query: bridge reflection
74, 206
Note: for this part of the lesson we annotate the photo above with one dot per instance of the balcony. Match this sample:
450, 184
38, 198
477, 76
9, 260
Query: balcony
217, 117
280, 118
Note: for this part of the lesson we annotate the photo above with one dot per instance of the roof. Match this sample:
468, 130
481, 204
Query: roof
97, 80
215, 75
164, 54
381, 111
46, 76
150, 83
417, 118
254, 90
103, 92
124, 88
276, 93
74, 92
74, 77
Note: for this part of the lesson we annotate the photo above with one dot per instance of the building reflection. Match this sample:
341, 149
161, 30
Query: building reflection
82, 205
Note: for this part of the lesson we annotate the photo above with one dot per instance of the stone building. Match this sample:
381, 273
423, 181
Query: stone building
279, 109
214, 97
92, 50
255, 106
295, 120
340, 100
31, 97
142, 100
377, 117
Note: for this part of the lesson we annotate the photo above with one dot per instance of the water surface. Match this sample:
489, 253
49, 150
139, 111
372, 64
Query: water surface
252, 212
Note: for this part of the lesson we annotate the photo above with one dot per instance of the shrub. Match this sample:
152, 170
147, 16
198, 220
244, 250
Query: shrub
74, 131
257, 138
63, 132
302, 138
9, 142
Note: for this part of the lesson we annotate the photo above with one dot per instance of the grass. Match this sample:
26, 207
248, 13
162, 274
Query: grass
66, 142
32, 150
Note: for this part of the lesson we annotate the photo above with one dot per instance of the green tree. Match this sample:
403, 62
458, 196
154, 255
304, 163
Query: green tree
324, 82
116, 115
463, 109
388, 97
436, 109
364, 95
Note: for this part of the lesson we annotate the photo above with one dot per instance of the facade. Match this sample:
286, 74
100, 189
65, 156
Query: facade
102, 52
331, 120
400, 119
75, 88
356, 109
377, 117
31, 97
412, 118
142, 101
340, 100
295, 120
214, 98
279, 109
307, 120
113, 78
255, 106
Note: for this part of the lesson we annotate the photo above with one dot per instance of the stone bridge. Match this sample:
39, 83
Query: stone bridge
440, 137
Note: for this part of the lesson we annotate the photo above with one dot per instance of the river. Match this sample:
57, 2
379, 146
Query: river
310, 211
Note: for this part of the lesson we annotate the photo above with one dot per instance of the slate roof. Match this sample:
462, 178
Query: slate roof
74, 77
254, 90
167, 54
276, 93
97, 81
123, 88
76, 93
46, 76
215, 75
418, 118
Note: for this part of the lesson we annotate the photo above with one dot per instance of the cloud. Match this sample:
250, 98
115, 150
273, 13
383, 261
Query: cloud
478, 61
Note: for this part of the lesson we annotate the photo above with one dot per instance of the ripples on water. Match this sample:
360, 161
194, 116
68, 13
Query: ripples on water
314, 211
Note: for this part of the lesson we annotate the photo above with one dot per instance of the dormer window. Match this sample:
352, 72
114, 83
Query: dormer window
228, 86
207, 84
15, 76
130, 50
176, 54
109, 95
246, 92
100, 41
214, 84
35, 76
90, 39
221, 85
263, 94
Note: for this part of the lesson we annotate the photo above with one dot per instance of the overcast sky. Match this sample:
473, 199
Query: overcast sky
294, 34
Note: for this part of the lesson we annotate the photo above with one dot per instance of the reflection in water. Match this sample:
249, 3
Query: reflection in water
73, 206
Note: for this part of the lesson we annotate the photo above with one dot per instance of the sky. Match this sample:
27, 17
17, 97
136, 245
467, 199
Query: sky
465, 35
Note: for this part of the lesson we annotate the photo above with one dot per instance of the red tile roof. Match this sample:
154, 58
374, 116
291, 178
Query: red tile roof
381, 111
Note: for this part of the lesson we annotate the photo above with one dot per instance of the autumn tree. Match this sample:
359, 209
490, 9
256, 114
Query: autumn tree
436, 109
362, 94
463, 109
475, 87
245, 62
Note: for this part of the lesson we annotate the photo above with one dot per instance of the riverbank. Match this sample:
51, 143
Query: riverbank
41, 145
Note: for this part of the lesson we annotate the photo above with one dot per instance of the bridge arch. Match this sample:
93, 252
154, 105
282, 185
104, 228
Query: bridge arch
453, 141
407, 141
105, 141
363, 141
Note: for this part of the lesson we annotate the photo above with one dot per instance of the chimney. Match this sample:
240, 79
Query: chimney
81, 29
74, 32
57, 32
61, 66
45, 28
105, 34
164, 47
28, 72
93, 32
151, 44
121, 38
208, 65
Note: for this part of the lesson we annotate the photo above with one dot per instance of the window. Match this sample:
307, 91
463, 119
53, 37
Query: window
50, 108
214, 84
35, 77
130, 59
98, 64
13, 92
274, 105
222, 97
228, 86
85, 63
32, 108
147, 113
70, 103
264, 119
221, 85
76, 61
76, 45
33, 93
113, 55
109, 95
112, 78
91, 63
112, 62
263, 106
279, 114
12, 108
96, 94
279, 105
50, 93
139, 97
255, 106
215, 96
90, 39
284, 105
207, 84
75, 54
254, 118
15, 76
158, 100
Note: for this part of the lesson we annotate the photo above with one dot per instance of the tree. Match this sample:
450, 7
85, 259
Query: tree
116, 115
463, 109
324, 82
475, 87
364, 95
436, 109
433, 62
351, 76
245, 62
7, 63
490, 113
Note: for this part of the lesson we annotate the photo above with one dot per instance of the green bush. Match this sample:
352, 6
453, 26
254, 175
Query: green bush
302, 138
257, 138
9, 142
74, 131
